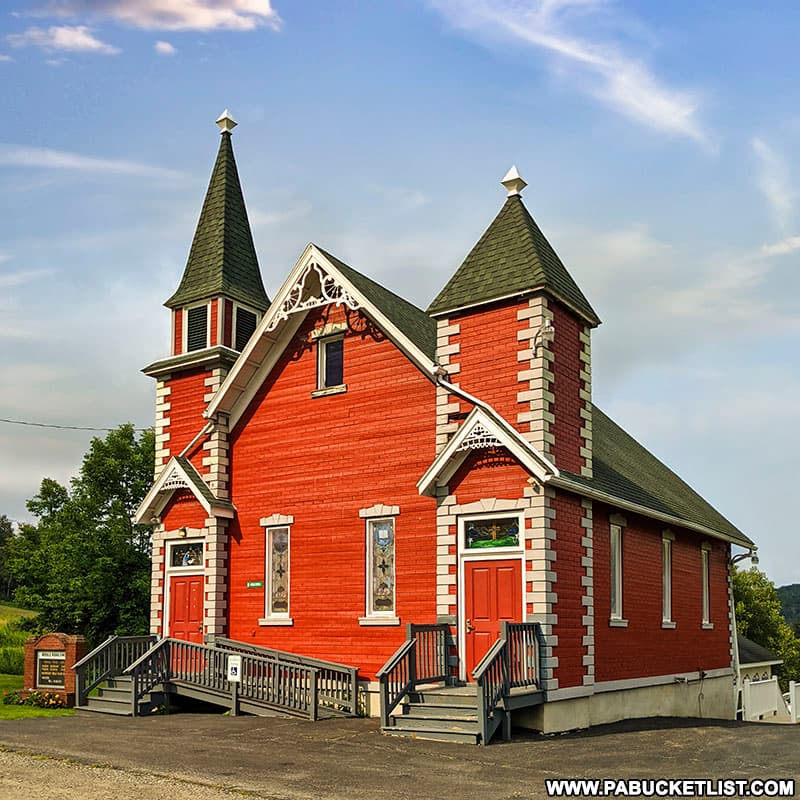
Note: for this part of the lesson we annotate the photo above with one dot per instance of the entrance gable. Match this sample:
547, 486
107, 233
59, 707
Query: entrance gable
179, 475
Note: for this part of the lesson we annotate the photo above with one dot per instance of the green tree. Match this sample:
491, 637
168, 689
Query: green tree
6, 532
84, 565
759, 617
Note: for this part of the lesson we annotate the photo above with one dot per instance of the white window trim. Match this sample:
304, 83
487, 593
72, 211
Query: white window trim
322, 390
185, 326
463, 550
616, 619
667, 538
236, 306
705, 573
378, 617
277, 522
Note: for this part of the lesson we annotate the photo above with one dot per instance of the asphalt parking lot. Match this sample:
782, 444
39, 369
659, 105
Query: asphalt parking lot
203, 755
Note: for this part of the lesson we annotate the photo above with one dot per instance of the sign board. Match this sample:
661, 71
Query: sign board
50, 669
254, 584
234, 669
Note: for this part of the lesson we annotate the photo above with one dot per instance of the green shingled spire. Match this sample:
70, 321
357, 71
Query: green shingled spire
511, 257
222, 260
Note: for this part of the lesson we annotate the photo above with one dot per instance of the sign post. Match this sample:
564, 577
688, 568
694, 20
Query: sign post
234, 678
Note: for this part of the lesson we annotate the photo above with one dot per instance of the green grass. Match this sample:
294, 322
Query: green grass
10, 683
12, 638
9, 613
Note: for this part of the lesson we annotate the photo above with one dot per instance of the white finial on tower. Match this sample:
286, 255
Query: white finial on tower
226, 122
513, 182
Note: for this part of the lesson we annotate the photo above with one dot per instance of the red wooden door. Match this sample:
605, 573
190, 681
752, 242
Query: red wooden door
492, 594
186, 608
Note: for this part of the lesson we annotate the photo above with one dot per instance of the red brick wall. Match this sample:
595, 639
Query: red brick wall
186, 413
644, 648
183, 510
566, 368
177, 335
321, 460
569, 589
214, 323
488, 355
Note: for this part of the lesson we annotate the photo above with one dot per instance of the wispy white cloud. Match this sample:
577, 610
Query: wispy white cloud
175, 15
602, 67
402, 198
781, 248
9, 279
257, 217
164, 48
5, 58
774, 181
77, 38
44, 158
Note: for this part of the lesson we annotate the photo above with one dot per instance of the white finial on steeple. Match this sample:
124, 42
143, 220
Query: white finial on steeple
513, 182
226, 122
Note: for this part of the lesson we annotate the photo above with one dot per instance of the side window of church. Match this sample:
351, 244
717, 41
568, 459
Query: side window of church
245, 325
277, 594
197, 328
380, 567
330, 363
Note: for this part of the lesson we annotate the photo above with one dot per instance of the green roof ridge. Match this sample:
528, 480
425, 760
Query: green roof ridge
412, 321
623, 468
512, 256
222, 259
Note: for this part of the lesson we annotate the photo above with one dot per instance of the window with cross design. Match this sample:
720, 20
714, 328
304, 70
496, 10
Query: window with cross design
277, 572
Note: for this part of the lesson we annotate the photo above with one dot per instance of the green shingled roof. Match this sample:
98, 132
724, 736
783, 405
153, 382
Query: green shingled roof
512, 256
412, 321
222, 260
624, 469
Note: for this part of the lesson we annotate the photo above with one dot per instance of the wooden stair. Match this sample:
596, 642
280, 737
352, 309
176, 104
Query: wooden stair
442, 714
114, 697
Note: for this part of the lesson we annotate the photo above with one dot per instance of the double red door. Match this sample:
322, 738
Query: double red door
492, 594
186, 608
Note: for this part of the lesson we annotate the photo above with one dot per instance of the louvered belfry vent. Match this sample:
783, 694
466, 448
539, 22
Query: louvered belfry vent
245, 325
197, 328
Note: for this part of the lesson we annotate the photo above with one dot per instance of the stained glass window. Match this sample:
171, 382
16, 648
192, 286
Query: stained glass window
491, 532
381, 566
278, 566
186, 554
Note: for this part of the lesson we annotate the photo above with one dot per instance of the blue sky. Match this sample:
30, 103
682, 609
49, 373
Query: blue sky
659, 142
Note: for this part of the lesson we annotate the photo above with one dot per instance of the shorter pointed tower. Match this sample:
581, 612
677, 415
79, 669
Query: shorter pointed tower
514, 329
215, 310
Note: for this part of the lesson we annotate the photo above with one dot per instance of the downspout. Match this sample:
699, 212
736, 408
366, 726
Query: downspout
204, 431
737, 692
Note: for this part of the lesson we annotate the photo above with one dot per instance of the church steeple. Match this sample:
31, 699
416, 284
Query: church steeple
222, 261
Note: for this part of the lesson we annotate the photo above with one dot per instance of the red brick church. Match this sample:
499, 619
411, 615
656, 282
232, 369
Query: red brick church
335, 464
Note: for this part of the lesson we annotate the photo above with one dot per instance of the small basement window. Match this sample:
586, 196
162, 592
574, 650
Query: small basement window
330, 363
245, 326
196, 328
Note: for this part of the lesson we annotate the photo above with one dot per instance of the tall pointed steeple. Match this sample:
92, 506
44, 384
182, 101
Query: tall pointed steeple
222, 260
512, 257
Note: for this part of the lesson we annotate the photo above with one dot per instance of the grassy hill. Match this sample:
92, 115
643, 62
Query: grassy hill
12, 637
790, 600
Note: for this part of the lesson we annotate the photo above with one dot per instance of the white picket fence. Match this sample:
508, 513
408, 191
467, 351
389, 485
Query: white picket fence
760, 698
794, 701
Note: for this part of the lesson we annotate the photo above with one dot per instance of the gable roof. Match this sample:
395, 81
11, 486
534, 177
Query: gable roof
179, 473
483, 427
752, 653
222, 259
623, 469
406, 326
513, 256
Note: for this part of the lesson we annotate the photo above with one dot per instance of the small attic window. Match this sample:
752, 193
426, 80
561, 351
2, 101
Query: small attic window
196, 328
330, 366
245, 326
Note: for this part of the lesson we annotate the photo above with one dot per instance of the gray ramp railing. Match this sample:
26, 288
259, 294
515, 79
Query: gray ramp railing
422, 658
106, 661
269, 682
337, 684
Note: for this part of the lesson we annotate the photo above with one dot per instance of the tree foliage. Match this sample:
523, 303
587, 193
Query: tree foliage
759, 617
6, 532
84, 565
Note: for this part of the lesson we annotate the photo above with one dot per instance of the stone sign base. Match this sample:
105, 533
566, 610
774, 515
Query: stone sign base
48, 665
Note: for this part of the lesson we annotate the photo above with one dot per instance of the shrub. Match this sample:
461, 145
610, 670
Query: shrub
36, 699
12, 660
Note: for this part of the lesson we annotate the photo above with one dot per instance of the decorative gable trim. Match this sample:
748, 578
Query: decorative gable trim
281, 320
483, 429
180, 474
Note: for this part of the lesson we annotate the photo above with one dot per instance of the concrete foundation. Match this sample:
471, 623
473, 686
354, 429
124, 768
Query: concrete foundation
710, 698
